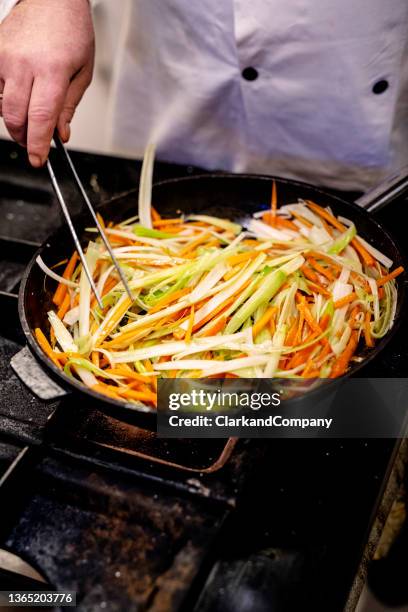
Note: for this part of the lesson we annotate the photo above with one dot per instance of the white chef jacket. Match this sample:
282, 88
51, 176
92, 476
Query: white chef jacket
329, 102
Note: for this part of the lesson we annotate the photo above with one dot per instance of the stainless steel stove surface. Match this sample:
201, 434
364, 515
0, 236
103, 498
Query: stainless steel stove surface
131, 522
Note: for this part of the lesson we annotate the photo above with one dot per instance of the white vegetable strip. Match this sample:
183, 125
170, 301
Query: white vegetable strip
207, 283
273, 360
374, 291
63, 336
55, 276
72, 316
386, 261
145, 187
86, 376
172, 348
144, 319
262, 229
210, 367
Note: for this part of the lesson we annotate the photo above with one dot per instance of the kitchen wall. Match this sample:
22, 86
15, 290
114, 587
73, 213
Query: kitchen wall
89, 127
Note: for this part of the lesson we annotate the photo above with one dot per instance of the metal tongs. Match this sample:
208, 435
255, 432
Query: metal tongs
61, 149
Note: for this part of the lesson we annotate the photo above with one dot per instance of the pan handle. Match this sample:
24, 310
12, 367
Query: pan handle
34, 378
392, 187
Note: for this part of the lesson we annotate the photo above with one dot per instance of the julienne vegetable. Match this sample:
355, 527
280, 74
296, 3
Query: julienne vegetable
297, 293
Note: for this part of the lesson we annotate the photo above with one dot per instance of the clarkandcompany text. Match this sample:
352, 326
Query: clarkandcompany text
222, 420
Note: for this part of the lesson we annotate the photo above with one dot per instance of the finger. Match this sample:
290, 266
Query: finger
16, 98
74, 95
1, 96
47, 98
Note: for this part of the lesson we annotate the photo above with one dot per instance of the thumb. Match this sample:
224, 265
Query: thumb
74, 95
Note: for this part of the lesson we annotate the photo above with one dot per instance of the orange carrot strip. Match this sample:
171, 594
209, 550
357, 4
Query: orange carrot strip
189, 331
322, 212
217, 327
317, 255
290, 336
319, 289
342, 362
109, 285
179, 334
274, 200
311, 372
347, 299
327, 227
301, 219
221, 307
298, 337
311, 321
323, 271
388, 277
149, 367
63, 309
272, 323
68, 272
95, 358
326, 350
277, 221
251, 242
353, 316
301, 356
263, 321
286, 224
242, 257
172, 221
191, 247
141, 396
100, 219
213, 314
114, 321
233, 272
367, 330
46, 347
169, 298
309, 273
155, 215
108, 390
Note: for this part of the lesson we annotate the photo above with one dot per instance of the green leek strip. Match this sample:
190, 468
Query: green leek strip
270, 286
147, 232
381, 326
87, 365
241, 298
91, 258
343, 240
235, 228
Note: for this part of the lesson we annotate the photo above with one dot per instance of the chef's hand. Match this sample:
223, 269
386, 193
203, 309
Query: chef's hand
46, 64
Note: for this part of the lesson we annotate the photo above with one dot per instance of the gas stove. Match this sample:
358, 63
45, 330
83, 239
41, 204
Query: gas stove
133, 522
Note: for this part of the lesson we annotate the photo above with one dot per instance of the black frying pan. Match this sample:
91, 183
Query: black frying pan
229, 196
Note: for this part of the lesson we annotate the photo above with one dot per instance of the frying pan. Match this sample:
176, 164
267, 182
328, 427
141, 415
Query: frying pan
224, 195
